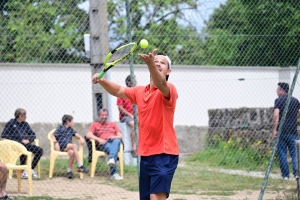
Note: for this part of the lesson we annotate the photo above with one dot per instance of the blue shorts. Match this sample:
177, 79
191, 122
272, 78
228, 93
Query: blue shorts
156, 174
62, 147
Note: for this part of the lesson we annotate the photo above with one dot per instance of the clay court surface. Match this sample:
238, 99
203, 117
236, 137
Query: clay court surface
101, 188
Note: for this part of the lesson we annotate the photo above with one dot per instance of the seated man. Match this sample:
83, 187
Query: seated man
19, 130
108, 138
126, 115
3, 180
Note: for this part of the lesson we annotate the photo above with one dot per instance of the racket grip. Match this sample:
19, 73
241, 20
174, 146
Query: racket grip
101, 74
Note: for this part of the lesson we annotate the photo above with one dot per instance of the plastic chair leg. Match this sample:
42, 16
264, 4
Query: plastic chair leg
52, 163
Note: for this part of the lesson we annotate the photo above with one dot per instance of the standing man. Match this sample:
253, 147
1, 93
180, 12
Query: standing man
126, 115
108, 139
18, 129
157, 143
289, 130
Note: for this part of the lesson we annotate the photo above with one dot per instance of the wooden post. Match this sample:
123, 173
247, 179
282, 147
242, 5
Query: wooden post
298, 166
99, 46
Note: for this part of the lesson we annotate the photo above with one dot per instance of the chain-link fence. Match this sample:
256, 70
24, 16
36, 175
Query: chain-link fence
227, 59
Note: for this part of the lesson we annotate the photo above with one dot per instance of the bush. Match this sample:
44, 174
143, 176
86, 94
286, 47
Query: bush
234, 153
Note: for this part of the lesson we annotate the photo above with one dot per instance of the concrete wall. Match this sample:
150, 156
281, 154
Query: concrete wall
249, 124
190, 138
47, 91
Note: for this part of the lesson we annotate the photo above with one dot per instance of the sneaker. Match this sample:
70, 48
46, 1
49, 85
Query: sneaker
296, 178
24, 175
111, 162
116, 176
34, 175
70, 175
286, 178
83, 169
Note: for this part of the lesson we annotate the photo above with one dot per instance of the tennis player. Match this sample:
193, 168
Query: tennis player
157, 143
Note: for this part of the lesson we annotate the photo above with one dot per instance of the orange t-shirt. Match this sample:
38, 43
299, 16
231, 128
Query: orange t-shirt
104, 131
156, 117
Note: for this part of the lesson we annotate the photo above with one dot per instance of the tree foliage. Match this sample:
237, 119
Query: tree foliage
159, 23
42, 31
253, 33
238, 33
52, 30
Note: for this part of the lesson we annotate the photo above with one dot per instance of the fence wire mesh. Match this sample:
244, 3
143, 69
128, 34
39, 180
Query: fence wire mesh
227, 58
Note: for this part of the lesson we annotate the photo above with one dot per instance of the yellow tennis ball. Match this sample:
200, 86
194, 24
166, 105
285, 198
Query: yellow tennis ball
143, 43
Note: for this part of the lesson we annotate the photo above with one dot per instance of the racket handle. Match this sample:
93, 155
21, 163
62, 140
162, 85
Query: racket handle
101, 74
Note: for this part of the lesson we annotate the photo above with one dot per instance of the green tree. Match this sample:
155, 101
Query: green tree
253, 33
180, 43
42, 31
51, 31
159, 22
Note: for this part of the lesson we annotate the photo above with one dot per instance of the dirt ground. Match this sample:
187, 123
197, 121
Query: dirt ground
95, 188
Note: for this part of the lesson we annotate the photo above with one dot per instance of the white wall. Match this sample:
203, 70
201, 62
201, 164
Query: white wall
49, 91
203, 88
46, 92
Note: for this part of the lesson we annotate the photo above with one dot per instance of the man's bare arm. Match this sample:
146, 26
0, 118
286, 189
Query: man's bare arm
117, 136
158, 78
90, 135
275, 121
112, 88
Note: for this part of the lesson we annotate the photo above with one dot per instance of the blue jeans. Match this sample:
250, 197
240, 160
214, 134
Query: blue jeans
111, 148
287, 141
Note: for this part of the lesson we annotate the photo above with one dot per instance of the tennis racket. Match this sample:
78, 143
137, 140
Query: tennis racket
116, 56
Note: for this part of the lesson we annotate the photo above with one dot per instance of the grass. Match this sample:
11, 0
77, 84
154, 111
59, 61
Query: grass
193, 176
235, 153
198, 178
61, 165
39, 198
190, 177
218, 193
233, 159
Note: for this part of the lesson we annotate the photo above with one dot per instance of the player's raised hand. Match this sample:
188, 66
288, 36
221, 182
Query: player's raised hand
148, 58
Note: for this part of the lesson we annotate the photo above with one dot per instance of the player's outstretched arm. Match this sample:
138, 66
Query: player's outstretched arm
112, 88
158, 78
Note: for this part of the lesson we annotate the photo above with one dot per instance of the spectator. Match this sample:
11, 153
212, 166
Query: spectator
289, 130
3, 181
126, 114
63, 142
108, 138
18, 129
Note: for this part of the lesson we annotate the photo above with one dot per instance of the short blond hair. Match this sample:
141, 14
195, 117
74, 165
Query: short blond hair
19, 112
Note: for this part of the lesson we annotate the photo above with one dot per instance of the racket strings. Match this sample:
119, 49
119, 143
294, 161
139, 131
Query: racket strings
121, 53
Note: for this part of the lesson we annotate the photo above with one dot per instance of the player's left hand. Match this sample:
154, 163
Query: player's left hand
148, 58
